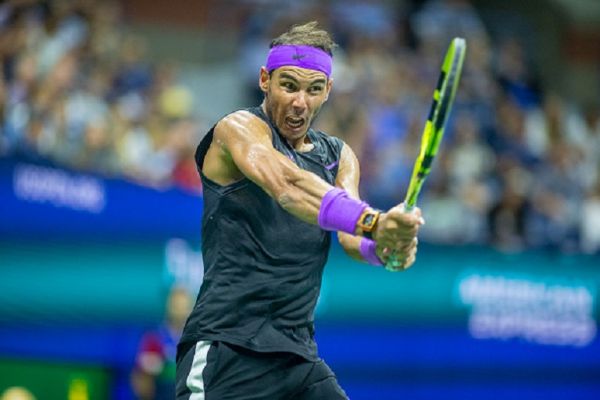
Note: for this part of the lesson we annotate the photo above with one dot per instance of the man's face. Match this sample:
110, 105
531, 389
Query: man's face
294, 96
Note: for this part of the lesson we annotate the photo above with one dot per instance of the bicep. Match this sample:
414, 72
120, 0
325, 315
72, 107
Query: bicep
348, 176
247, 140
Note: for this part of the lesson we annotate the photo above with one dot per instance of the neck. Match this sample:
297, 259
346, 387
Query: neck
301, 145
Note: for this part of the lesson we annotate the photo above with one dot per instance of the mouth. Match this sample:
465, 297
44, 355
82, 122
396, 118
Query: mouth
294, 123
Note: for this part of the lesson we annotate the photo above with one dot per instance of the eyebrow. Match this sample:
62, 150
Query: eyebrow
284, 75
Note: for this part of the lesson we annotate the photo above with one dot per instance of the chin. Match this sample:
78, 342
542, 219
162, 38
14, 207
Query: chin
293, 134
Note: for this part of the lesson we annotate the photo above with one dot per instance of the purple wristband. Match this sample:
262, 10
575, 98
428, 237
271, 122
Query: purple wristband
368, 251
340, 212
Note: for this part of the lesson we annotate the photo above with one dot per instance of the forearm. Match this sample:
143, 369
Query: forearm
302, 195
245, 142
314, 201
351, 245
361, 248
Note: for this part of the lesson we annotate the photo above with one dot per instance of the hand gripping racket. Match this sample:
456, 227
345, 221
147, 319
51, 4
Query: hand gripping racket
443, 97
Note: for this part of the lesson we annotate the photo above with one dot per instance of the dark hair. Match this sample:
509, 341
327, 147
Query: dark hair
307, 34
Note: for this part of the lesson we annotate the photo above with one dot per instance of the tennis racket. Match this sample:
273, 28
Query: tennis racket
443, 97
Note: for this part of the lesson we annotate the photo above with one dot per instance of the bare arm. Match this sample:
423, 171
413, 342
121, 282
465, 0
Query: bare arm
395, 230
242, 147
348, 177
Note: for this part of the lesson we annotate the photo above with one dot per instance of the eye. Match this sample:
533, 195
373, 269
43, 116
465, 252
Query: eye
315, 89
289, 86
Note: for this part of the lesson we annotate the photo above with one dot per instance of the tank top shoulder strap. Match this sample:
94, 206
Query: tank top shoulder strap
334, 144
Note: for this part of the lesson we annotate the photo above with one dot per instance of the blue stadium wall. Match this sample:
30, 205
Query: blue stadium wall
85, 263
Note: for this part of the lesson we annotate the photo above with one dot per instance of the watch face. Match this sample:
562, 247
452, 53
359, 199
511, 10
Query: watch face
368, 220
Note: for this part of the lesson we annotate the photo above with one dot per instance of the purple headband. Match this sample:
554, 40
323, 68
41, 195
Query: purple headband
299, 56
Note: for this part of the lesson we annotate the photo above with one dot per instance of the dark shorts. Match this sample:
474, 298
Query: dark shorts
220, 371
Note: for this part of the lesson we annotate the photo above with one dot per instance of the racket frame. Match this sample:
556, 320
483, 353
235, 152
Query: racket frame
443, 99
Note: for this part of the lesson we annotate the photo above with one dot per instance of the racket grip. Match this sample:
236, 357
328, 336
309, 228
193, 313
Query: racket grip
393, 263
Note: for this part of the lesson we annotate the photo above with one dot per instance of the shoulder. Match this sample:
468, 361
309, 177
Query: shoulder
241, 128
241, 120
347, 154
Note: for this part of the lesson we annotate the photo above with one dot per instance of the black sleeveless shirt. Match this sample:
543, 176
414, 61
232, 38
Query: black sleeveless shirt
263, 266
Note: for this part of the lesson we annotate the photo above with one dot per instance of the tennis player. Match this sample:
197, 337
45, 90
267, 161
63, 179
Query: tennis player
274, 189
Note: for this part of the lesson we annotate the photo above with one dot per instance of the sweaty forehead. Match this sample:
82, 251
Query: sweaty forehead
300, 74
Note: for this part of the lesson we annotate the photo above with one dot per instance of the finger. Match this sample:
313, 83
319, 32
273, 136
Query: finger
409, 247
417, 213
408, 263
410, 260
401, 228
413, 252
405, 259
405, 235
397, 219
413, 244
401, 245
386, 253
407, 219
404, 246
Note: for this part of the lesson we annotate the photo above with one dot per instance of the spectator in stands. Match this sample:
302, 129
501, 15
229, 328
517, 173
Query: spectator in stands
79, 91
153, 376
507, 215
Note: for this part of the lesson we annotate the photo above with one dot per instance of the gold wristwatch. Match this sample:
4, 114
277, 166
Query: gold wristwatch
368, 221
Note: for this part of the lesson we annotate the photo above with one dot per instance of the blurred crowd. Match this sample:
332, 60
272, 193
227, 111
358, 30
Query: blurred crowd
79, 91
519, 165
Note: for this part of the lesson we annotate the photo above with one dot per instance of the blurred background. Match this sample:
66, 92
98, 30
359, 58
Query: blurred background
103, 102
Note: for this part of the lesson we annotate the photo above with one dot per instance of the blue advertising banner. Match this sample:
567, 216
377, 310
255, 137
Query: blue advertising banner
40, 200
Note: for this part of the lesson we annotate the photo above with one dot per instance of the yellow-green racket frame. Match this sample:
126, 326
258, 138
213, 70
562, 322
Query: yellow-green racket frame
443, 98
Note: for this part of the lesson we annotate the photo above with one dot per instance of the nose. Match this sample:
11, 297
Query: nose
300, 102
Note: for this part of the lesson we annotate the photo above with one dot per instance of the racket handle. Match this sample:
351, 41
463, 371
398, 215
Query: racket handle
393, 264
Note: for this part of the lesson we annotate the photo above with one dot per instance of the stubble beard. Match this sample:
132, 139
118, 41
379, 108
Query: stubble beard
269, 112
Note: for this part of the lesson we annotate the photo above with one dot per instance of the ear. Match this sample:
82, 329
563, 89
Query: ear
263, 80
328, 88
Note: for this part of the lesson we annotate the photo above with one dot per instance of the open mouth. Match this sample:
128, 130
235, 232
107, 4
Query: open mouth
294, 122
